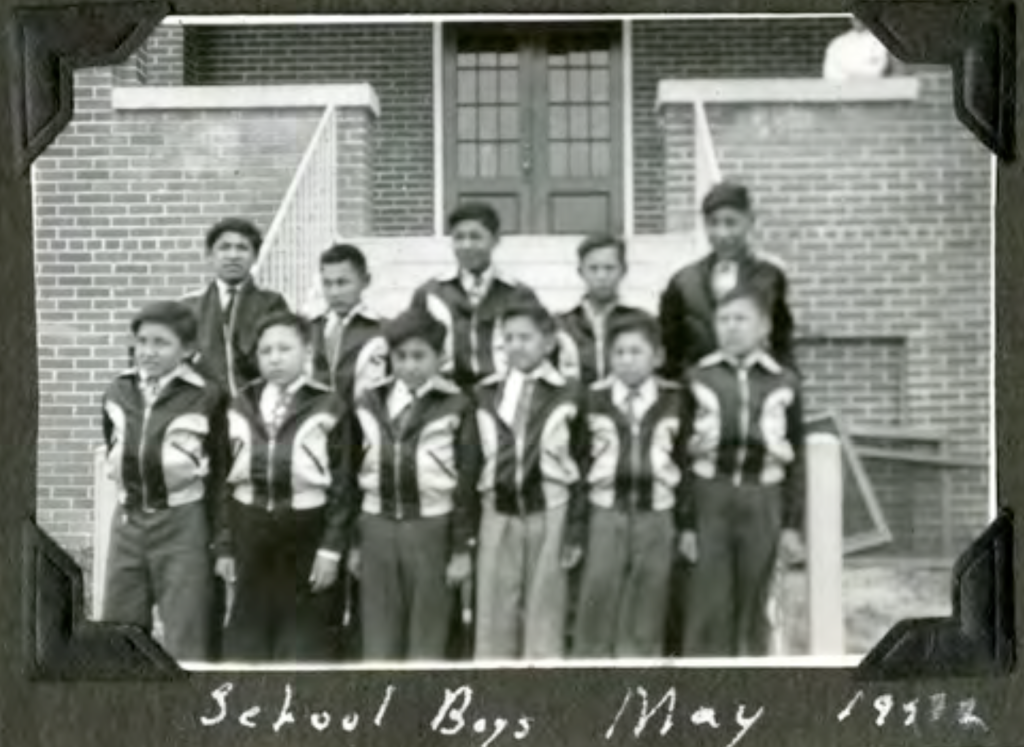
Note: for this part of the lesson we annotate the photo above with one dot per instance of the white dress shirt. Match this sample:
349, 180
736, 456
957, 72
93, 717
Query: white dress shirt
599, 322
402, 396
224, 292
514, 383
725, 276
161, 382
646, 395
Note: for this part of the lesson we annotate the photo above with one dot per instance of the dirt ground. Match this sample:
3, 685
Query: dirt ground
875, 596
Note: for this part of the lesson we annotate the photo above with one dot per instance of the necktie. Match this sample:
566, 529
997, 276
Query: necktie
633, 408
401, 420
522, 413
150, 391
476, 290
724, 277
229, 307
279, 411
334, 345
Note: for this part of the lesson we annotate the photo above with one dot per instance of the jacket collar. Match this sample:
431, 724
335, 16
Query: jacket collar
183, 372
361, 310
758, 358
545, 372
492, 275
436, 384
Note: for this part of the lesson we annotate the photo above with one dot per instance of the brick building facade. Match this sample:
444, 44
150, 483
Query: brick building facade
880, 208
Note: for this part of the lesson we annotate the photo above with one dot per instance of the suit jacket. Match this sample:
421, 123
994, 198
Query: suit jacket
687, 311
252, 304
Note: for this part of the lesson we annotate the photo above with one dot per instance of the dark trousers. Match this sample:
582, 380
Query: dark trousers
275, 615
624, 595
406, 603
737, 536
162, 558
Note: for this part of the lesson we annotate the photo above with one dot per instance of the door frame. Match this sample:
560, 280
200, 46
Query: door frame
442, 38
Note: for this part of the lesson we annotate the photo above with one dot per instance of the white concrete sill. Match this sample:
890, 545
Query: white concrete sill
785, 91
181, 98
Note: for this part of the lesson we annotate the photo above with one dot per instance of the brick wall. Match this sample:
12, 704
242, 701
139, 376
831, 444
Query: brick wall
123, 200
705, 49
397, 60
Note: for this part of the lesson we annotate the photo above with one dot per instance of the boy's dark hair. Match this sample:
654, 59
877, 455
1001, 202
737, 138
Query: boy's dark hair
285, 319
415, 324
235, 225
602, 241
727, 194
174, 315
639, 322
481, 212
341, 253
747, 293
532, 310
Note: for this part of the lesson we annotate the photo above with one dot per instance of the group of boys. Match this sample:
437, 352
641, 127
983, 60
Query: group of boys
474, 454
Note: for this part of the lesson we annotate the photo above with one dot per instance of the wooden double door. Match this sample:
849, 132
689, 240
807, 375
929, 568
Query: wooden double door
533, 124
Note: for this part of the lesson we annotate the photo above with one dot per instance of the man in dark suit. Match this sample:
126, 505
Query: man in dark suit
688, 303
228, 312
230, 308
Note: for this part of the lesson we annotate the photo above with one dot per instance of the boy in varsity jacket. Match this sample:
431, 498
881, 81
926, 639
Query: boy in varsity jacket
165, 430
583, 344
469, 301
349, 351
415, 458
633, 480
743, 425
532, 438
282, 529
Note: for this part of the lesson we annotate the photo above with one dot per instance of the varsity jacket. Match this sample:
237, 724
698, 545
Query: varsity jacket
232, 365
473, 345
687, 311
542, 470
299, 469
426, 465
743, 422
173, 453
582, 350
635, 467
361, 360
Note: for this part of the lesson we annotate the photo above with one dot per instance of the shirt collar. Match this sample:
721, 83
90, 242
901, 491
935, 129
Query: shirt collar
434, 384
647, 392
223, 288
587, 307
183, 372
360, 309
293, 387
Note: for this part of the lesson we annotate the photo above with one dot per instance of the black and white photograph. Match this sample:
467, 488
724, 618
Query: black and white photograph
515, 341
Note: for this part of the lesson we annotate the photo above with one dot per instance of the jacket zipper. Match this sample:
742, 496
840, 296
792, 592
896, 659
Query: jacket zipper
398, 477
142, 453
474, 343
634, 446
271, 443
744, 416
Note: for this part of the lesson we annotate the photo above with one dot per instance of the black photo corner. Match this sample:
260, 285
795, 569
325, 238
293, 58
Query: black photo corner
46, 43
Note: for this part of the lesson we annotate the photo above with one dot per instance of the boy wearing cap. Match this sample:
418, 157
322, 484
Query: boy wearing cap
414, 459
743, 427
469, 301
688, 303
583, 344
165, 430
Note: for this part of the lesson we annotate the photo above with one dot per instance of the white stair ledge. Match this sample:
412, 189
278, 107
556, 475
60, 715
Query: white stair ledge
153, 98
785, 91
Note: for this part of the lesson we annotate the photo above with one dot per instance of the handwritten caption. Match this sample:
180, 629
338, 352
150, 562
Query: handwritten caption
638, 713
